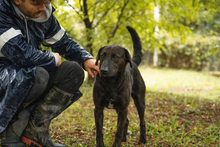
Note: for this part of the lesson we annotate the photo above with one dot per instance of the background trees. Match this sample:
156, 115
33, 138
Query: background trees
188, 30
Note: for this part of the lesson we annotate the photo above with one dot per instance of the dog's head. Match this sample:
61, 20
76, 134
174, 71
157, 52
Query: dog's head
113, 59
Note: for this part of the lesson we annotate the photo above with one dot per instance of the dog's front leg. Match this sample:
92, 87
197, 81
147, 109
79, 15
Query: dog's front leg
122, 116
99, 125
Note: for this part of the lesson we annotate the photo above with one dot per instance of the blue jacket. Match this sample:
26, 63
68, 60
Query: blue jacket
20, 52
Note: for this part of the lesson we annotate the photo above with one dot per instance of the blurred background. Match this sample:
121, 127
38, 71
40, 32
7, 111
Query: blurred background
175, 34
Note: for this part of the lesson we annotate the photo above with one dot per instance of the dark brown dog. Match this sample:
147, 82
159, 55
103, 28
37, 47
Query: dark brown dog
120, 79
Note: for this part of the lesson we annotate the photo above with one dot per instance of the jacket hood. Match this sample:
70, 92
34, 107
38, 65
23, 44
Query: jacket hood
44, 17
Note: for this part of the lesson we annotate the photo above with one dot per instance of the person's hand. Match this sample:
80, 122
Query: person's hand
91, 68
59, 58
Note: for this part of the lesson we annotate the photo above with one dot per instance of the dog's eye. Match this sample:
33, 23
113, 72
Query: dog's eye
102, 56
114, 57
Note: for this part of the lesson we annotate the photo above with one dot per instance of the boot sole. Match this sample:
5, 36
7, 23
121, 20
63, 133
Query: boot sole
12, 145
30, 142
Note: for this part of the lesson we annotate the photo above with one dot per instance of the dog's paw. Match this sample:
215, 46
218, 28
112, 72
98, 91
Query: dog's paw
100, 145
142, 141
124, 139
117, 143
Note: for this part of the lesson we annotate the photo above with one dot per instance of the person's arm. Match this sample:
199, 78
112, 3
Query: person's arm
14, 47
68, 48
57, 38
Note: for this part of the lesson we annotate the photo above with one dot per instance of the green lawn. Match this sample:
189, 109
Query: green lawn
182, 109
182, 82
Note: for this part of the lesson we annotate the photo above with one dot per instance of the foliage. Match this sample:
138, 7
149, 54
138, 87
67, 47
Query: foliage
196, 54
101, 20
173, 118
94, 24
109, 18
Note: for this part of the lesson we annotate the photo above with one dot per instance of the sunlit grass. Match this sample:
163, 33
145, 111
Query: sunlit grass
189, 83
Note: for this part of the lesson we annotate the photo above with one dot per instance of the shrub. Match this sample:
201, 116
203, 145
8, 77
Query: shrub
198, 54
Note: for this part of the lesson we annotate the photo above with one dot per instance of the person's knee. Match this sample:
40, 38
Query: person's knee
80, 72
41, 78
69, 76
74, 70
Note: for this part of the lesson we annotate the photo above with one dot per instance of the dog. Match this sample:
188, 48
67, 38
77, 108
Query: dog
119, 80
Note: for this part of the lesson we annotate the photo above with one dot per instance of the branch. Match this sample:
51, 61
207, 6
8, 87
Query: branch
86, 15
76, 11
106, 12
112, 33
94, 11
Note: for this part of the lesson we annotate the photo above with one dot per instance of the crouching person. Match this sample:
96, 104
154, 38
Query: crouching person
35, 86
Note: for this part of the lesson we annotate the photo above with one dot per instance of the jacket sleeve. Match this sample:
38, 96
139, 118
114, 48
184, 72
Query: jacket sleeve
62, 43
14, 47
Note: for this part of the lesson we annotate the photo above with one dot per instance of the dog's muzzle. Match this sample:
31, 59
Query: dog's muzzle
104, 71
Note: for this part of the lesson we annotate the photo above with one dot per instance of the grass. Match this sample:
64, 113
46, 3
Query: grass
189, 83
182, 109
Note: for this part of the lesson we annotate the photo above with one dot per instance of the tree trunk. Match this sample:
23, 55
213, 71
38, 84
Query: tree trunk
88, 25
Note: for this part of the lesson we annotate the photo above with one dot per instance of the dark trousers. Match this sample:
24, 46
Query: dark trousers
68, 77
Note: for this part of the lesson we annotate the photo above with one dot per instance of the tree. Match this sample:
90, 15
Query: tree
94, 13
95, 23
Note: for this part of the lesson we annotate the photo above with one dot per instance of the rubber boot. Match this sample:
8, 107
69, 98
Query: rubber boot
8, 138
37, 131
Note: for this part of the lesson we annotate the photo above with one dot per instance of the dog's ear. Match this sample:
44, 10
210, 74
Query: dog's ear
128, 57
98, 55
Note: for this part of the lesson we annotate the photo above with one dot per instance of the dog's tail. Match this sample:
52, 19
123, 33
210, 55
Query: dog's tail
137, 53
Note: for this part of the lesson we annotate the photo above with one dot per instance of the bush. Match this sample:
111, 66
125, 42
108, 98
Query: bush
197, 54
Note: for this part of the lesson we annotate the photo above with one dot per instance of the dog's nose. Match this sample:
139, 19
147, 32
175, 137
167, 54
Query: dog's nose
104, 70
